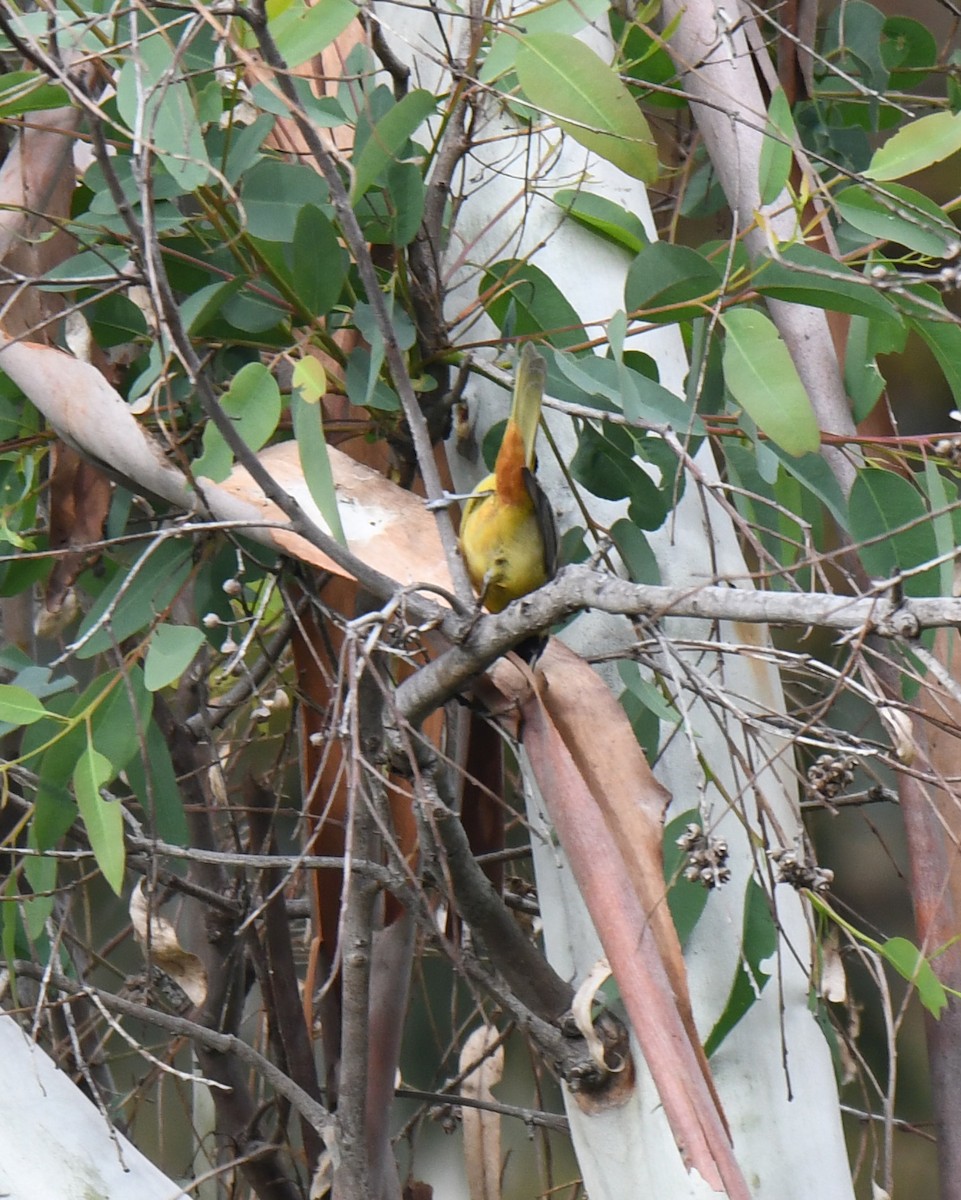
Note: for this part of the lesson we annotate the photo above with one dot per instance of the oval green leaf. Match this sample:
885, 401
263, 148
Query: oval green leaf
762, 378
301, 31
253, 404
586, 98
18, 706
664, 277
910, 963
521, 298
170, 653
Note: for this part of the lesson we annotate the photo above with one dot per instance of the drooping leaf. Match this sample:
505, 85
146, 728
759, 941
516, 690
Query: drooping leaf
815, 475
390, 215
636, 553
318, 261
584, 96
928, 317
308, 390
758, 946
762, 378
892, 528
777, 153
103, 819
863, 380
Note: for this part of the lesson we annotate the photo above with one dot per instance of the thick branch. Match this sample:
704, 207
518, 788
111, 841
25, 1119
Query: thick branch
577, 588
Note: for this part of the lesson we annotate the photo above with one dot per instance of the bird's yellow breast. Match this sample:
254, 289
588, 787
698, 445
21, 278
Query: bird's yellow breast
502, 545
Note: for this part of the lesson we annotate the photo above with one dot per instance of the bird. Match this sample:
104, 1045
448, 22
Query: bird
508, 536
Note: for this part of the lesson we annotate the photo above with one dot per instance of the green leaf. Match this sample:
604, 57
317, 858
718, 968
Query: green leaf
939, 329
29, 91
312, 444
585, 97
777, 153
604, 217
529, 301
646, 62
390, 215
804, 275
942, 497
153, 781
115, 320
273, 194
556, 16
253, 404
664, 278
816, 476
908, 50
917, 145
319, 262
135, 597
627, 390
636, 553
205, 304
156, 101
170, 653
325, 112
604, 463
648, 694
103, 818
898, 214
301, 31
762, 378
758, 947
103, 265
388, 139
863, 380
18, 706
891, 525
910, 963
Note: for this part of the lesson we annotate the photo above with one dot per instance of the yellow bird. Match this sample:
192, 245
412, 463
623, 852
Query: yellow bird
507, 532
